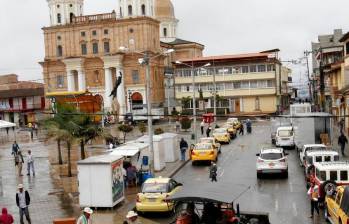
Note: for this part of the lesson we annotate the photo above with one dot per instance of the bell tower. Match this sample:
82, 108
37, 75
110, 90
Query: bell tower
136, 8
63, 11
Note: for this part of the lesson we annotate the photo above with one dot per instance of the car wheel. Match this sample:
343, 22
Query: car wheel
329, 187
326, 215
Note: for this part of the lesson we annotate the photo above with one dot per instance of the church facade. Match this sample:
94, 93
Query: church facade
89, 53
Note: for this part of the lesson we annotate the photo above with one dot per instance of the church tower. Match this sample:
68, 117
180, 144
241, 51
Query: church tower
164, 12
136, 8
63, 11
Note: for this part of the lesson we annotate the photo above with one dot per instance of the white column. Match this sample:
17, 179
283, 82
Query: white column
82, 80
108, 88
71, 81
121, 94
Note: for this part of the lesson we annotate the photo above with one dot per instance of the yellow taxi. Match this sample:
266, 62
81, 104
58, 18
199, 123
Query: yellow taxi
221, 135
336, 206
204, 152
154, 193
235, 122
231, 130
212, 141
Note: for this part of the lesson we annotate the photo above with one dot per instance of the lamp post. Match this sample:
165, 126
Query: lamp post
146, 62
193, 86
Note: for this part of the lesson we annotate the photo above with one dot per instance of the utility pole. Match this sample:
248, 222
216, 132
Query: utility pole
322, 87
306, 54
214, 100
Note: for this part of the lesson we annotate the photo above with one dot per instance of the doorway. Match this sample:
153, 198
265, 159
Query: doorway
237, 105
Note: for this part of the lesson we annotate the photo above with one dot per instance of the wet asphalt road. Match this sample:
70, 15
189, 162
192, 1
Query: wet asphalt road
284, 199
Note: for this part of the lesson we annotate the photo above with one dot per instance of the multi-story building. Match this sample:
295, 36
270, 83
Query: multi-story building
89, 53
244, 83
21, 102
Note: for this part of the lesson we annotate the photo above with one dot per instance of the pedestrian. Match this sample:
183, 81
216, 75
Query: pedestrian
19, 162
342, 140
341, 125
131, 173
36, 129
208, 131
15, 148
202, 126
313, 193
111, 145
178, 125
213, 172
124, 174
6, 218
183, 146
30, 163
23, 201
132, 218
249, 126
241, 131
85, 218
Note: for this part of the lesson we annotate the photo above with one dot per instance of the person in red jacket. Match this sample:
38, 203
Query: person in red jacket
5, 218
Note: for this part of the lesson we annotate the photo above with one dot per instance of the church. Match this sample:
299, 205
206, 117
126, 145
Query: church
88, 54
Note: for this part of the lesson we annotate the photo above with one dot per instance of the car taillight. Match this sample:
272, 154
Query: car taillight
138, 199
211, 153
260, 161
192, 153
283, 160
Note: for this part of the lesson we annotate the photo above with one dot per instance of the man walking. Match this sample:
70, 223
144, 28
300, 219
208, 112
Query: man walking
85, 218
23, 201
342, 140
313, 193
15, 148
19, 162
208, 131
183, 145
30, 163
202, 126
213, 172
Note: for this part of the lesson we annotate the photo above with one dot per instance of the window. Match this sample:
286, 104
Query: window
261, 68
244, 69
83, 33
60, 81
165, 32
321, 175
130, 10
59, 38
95, 48
253, 68
187, 88
71, 5
318, 158
135, 76
106, 47
347, 48
262, 84
245, 85
59, 19
270, 68
327, 159
71, 16
106, 31
83, 49
58, 6
94, 32
237, 85
333, 175
253, 84
59, 51
344, 175
270, 83
143, 10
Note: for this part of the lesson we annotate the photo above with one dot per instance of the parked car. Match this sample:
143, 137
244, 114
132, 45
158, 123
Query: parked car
329, 175
231, 130
337, 206
235, 122
272, 161
307, 147
154, 193
212, 141
285, 137
221, 135
204, 152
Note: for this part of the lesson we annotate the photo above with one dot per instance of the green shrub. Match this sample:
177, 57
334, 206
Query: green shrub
158, 131
185, 123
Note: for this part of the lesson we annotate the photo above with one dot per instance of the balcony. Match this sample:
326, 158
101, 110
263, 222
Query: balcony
94, 18
231, 93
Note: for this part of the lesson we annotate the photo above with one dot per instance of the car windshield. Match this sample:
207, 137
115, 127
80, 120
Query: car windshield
285, 133
203, 147
154, 188
219, 131
271, 156
205, 140
310, 160
315, 148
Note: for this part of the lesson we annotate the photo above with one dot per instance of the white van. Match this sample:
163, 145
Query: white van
285, 137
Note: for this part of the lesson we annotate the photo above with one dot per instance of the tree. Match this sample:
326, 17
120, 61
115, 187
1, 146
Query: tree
158, 131
186, 101
142, 128
125, 128
185, 123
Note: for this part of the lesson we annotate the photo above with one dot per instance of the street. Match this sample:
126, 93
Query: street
284, 199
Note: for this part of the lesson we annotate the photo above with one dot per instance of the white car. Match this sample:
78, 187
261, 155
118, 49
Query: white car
309, 147
285, 137
318, 156
272, 161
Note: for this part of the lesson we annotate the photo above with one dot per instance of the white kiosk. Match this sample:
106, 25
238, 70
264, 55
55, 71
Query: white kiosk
171, 142
159, 150
101, 181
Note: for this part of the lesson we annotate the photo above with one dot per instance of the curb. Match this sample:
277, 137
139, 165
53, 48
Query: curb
175, 171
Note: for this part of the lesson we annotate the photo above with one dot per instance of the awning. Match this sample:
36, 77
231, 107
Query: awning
124, 152
6, 124
65, 93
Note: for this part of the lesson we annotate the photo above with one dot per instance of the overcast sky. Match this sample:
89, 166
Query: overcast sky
223, 26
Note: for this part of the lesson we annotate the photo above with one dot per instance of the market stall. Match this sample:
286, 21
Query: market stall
171, 141
159, 150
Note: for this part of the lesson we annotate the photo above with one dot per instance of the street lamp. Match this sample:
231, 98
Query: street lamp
146, 61
193, 86
130, 100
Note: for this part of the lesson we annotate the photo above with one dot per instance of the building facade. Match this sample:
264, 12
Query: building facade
253, 83
90, 52
21, 102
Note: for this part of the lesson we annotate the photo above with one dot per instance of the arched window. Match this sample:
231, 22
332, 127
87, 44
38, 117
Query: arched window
71, 17
59, 19
130, 10
136, 101
165, 32
59, 51
97, 78
143, 10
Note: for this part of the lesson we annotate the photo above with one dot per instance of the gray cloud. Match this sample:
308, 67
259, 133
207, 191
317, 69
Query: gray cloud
224, 26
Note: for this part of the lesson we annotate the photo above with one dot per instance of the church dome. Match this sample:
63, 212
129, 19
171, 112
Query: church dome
164, 9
